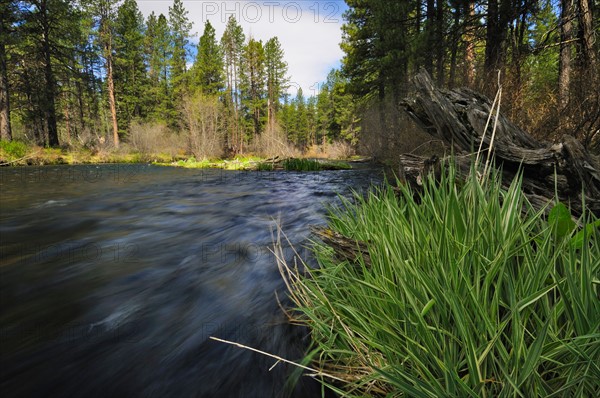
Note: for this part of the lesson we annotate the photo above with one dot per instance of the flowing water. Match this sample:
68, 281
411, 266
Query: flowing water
113, 278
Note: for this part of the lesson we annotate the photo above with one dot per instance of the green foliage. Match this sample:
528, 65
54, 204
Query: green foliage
159, 53
468, 293
375, 45
276, 71
208, 68
129, 66
254, 96
560, 221
180, 27
13, 149
294, 164
264, 166
337, 113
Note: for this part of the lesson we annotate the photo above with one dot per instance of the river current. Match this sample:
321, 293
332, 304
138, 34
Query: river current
113, 278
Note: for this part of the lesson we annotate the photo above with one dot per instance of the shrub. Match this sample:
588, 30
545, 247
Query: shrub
273, 142
340, 150
468, 291
204, 125
154, 138
13, 149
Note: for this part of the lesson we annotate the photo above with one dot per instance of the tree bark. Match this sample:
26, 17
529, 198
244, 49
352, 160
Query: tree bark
587, 36
470, 44
106, 35
111, 99
430, 36
49, 89
440, 44
5, 127
564, 64
454, 46
498, 19
458, 118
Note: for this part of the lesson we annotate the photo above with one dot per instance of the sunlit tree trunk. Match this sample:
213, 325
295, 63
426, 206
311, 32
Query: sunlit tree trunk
5, 129
470, 44
564, 67
111, 100
587, 36
49, 89
106, 37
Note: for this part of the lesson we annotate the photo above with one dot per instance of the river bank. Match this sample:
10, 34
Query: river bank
19, 154
465, 289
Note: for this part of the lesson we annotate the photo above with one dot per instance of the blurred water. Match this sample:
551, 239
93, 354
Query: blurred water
113, 277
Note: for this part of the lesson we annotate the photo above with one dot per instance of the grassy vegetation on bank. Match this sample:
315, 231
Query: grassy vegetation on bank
15, 153
465, 296
261, 164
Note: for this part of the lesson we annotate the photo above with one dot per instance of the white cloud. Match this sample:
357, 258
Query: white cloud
309, 30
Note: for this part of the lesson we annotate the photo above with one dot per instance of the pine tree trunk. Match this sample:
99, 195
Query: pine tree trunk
49, 105
454, 48
111, 97
587, 33
564, 65
440, 45
470, 46
430, 37
5, 128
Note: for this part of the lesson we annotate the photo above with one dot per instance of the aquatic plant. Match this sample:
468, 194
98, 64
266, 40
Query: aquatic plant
467, 291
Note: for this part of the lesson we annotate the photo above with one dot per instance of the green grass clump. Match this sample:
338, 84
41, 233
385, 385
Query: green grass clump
335, 165
264, 166
467, 295
295, 164
13, 149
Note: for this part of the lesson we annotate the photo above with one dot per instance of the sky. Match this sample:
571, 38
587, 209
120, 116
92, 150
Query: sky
309, 30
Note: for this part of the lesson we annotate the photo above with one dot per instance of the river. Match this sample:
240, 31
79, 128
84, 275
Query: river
113, 278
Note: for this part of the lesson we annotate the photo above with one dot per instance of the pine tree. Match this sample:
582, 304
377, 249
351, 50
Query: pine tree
254, 84
7, 17
44, 34
277, 80
105, 12
130, 69
376, 47
180, 27
158, 51
232, 45
208, 68
298, 133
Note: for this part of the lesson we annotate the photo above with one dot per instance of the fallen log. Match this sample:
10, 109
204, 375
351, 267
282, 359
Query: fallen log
346, 249
458, 118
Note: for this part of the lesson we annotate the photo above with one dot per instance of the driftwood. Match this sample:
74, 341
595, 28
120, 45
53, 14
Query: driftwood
345, 249
458, 118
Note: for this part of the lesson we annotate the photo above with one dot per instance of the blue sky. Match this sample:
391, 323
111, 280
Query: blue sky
309, 30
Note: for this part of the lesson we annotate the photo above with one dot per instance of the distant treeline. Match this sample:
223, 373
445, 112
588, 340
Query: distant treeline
78, 71
81, 71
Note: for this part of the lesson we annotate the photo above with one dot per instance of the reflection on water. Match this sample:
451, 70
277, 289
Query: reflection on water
114, 277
